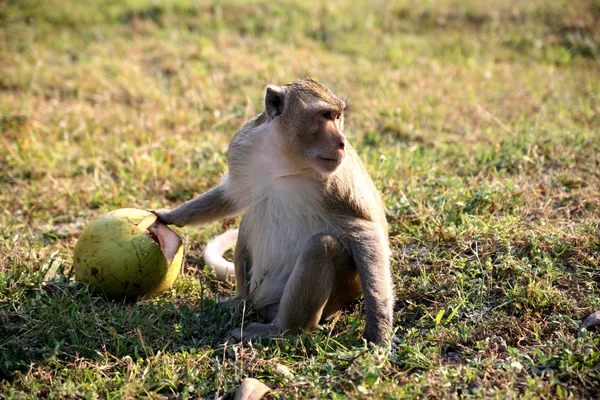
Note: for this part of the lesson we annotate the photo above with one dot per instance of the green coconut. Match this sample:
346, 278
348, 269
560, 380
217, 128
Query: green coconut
127, 253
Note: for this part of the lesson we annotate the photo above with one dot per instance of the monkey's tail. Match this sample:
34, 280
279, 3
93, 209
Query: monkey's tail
213, 254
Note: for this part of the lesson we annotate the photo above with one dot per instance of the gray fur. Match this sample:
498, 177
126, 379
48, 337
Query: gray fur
314, 233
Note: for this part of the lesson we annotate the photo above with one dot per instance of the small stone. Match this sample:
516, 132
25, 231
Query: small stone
362, 389
282, 370
516, 365
498, 344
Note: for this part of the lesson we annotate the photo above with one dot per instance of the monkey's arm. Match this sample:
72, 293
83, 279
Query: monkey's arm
371, 255
210, 206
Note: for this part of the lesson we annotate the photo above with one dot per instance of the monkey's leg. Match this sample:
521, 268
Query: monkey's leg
321, 281
242, 261
210, 206
309, 289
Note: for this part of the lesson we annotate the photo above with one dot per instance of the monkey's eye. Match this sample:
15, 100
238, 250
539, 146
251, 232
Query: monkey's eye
328, 115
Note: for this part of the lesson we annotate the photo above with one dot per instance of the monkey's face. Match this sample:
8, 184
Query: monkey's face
310, 120
322, 138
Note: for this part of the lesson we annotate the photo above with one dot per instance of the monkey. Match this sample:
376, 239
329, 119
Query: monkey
313, 235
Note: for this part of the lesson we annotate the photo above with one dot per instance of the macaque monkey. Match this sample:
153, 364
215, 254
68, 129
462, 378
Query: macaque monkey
314, 235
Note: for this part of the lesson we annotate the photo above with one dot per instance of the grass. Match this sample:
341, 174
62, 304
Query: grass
479, 123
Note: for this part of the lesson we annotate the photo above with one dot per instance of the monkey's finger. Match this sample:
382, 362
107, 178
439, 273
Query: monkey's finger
162, 216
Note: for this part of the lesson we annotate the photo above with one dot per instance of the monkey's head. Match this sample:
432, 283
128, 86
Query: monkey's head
309, 119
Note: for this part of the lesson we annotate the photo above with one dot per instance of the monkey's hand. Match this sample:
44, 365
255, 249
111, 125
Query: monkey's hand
207, 207
168, 217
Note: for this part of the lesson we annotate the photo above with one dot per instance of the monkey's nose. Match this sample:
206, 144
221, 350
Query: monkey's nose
342, 144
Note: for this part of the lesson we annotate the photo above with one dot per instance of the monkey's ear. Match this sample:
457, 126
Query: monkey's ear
274, 100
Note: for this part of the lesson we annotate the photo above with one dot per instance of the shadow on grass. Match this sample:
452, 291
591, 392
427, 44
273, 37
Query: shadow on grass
57, 320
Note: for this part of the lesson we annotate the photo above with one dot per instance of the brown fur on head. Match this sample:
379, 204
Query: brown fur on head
310, 118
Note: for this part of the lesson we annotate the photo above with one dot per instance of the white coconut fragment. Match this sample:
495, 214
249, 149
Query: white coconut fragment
283, 370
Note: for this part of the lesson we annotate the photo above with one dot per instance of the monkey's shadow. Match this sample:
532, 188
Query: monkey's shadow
60, 322
63, 322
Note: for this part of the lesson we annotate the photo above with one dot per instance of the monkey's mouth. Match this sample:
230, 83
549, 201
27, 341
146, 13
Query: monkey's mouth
331, 163
332, 160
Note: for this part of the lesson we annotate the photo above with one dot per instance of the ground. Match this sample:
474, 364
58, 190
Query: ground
478, 122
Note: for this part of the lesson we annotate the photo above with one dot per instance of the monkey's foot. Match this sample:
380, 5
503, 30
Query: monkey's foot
255, 331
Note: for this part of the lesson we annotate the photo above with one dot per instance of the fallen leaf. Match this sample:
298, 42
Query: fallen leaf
251, 389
